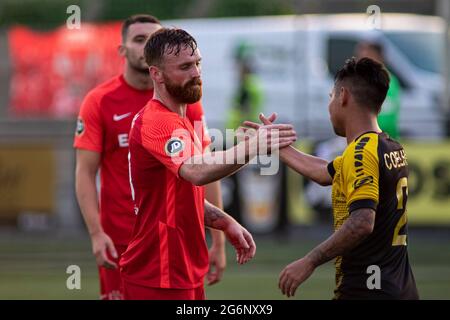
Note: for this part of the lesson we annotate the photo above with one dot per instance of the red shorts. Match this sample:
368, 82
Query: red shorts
136, 292
110, 280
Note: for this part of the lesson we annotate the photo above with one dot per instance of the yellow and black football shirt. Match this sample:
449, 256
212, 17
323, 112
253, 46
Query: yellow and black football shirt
373, 173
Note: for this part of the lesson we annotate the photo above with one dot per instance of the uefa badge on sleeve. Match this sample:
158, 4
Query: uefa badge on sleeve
80, 126
174, 146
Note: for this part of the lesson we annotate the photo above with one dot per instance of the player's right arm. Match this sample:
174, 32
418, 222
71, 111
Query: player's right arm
171, 143
309, 166
209, 167
86, 191
89, 146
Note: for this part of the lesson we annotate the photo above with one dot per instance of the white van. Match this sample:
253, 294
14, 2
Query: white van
296, 58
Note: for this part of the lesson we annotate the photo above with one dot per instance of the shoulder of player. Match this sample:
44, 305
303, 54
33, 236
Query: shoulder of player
154, 121
194, 111
366, 144
388, 143
104, 89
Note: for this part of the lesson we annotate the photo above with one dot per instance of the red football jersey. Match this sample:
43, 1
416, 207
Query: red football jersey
168, 247
103, 126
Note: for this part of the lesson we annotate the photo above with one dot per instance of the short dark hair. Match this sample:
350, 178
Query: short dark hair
137, 18
367, 80
167, 40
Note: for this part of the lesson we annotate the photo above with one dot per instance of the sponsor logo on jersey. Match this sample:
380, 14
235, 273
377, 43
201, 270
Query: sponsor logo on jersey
174, 146
123, 140
121, 117
359, 153
362, 181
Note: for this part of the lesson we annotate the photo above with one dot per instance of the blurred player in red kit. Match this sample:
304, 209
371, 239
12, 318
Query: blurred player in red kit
101, 143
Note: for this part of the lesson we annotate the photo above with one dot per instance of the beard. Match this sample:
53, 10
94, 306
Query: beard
189, 93
138, 65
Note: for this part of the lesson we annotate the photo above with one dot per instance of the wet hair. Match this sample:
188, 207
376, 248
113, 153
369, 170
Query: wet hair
366, 79
167, 41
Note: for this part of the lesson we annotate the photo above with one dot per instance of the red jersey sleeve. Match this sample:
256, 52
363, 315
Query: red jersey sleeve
89, 131
169, 141
196, 115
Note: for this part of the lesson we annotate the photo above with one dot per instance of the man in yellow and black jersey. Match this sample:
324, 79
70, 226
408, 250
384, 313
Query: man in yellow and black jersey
370, 189
372, 174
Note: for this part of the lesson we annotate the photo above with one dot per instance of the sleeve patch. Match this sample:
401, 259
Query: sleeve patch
174, 146
80, 127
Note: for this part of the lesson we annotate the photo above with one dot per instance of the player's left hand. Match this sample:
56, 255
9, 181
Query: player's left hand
264, 121
294, 275
217, 263
242, 242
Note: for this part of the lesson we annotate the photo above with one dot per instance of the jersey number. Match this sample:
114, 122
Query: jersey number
402, 195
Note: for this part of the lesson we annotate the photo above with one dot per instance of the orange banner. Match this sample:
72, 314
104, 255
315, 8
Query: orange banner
27, 179
52, 71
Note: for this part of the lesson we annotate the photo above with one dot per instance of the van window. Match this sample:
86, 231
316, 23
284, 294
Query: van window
340, 49
424, 49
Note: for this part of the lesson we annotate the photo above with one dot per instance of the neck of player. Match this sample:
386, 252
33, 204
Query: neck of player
169, 102
136, 79
359, 122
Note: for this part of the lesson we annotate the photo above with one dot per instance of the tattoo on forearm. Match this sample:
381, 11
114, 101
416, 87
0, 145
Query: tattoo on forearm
352, 233
213, 216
